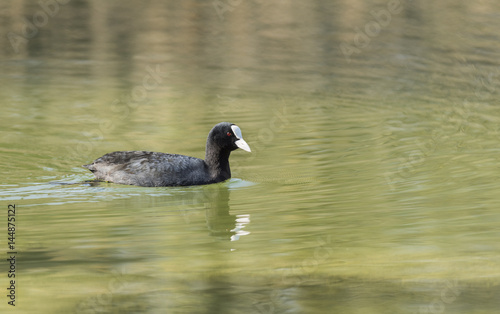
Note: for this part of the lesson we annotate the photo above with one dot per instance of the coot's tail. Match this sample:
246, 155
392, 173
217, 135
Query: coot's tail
90, 167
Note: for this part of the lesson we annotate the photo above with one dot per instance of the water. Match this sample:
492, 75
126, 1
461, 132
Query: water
372, 186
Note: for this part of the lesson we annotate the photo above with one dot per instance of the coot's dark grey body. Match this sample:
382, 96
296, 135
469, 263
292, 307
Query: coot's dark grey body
159, 169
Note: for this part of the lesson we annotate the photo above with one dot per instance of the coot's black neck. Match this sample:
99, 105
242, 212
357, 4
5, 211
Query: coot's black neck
217, 160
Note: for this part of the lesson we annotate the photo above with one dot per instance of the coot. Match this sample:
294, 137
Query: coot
145, 168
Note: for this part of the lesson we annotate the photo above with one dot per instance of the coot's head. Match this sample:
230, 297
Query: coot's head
227, 136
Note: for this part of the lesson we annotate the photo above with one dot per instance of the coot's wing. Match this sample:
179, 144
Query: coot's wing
148, 168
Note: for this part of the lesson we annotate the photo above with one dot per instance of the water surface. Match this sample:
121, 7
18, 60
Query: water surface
372, 186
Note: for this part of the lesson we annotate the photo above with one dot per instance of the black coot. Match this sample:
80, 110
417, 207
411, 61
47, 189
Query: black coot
159, 169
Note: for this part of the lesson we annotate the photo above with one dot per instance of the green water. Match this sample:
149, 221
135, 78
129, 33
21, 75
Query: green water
372, 186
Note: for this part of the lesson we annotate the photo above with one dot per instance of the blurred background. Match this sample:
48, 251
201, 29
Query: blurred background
372, 186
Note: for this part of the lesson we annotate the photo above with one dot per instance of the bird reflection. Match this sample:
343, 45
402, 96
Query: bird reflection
220, 222
214, 198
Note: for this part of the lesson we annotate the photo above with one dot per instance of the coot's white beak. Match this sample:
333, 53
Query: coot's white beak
240, 142
243, 145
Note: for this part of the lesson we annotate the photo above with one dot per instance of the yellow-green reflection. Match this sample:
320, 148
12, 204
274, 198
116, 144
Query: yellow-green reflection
372, 186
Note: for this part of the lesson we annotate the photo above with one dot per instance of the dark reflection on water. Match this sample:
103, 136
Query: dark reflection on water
219, 221
372, 185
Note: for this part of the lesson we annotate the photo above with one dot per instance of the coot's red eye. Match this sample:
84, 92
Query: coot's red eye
228, 133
